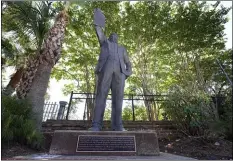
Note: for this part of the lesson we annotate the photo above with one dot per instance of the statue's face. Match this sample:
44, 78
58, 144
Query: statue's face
113, 37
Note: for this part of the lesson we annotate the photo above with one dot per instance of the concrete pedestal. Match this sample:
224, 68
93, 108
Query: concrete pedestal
115, 143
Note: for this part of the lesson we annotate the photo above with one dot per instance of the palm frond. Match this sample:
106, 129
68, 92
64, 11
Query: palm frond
30, 18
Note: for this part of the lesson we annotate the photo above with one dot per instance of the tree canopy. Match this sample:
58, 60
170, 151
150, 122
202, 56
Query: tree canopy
169, 43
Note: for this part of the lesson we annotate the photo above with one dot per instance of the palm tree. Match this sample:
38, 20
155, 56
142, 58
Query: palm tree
29, 22
35, 78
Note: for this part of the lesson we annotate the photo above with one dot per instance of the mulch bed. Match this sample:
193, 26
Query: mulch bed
197, 147
12, 150
193, 147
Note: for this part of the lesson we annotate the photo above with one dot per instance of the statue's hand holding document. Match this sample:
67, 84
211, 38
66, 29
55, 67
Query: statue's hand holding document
99, 18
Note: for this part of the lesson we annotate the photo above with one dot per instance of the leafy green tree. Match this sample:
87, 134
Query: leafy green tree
171, 42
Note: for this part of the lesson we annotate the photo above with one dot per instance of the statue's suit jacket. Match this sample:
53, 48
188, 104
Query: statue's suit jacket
122, 54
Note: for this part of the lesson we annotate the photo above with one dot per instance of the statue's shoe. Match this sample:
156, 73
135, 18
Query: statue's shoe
121, 129
94, 129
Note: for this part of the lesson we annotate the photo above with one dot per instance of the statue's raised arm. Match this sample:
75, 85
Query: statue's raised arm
99, 22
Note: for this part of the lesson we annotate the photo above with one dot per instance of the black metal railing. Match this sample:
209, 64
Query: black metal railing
62, 111
54, 111
127, 97
50, 110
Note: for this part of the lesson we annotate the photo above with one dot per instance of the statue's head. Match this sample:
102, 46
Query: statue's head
113, 37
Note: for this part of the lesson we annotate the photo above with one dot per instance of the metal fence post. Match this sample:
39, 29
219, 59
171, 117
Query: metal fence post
68, 110
133, 109
61, 109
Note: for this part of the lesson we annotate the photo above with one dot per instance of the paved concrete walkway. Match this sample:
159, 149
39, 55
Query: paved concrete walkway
163, 156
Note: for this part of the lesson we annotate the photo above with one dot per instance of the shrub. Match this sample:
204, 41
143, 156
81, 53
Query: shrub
223, 126
17, 122
189, 109
195, 113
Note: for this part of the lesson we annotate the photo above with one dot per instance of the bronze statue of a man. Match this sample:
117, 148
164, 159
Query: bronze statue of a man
112, 69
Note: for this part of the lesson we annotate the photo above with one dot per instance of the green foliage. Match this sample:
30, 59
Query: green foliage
145, 29
140, 113
186, 109
7, 48
127, 113
24, 28
196, 114
28, 18
107, 114
18, 124
223, 126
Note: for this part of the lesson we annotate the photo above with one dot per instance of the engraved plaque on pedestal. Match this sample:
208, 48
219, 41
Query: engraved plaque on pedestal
105, 143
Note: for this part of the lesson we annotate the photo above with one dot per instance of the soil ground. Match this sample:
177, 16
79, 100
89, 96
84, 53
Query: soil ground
187, 146
198, 148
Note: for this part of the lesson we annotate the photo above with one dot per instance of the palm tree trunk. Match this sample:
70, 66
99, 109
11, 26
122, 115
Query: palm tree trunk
14, 80
37, 92
35, 79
